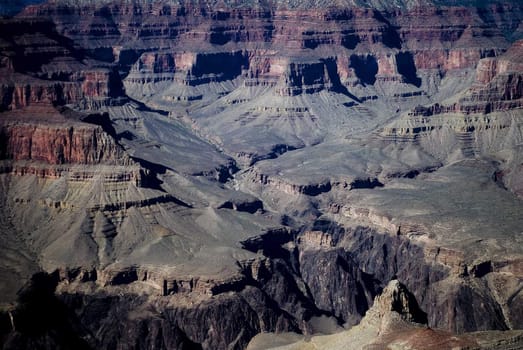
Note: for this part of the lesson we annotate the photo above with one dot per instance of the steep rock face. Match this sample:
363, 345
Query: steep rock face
309, 78
353, 55
173, 322
342, 269
350, 290
472, 120
443, 278
395, 320
176, 259
458, 44
395, 298
167, 323
467, 297
461, 41
498, 87
41, 66
153, 68
90, 89
19, 96
59, 145
509, 65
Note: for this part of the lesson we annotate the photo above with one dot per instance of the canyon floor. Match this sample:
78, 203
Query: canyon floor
235, 175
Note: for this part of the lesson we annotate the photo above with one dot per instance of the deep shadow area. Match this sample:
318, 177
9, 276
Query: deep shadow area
3, 143
42, 321
126, 59
365, 183
334, 76
310, 44
219, 36
332, 228
316, 189
11, 8
226, 65
350, 41
482, 269
103, 120
390, 36
407, 68
270, 243
30, 62
365, 67
418, 315
150, 178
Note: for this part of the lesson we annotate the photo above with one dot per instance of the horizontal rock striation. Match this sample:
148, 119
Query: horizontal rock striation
396, 320
498, 87
154, 238
59, 145
484, 118
396, 50
42, 134
41, 66
351, 55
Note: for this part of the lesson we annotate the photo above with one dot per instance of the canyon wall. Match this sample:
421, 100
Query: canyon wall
189, 175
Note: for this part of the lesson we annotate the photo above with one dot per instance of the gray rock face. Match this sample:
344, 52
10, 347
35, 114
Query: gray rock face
395, 320
182, 175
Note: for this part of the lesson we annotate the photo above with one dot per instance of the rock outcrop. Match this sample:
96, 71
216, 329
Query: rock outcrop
56, 142
395, 320
192, 174
350, 55
41, 66
498, 87
396, 52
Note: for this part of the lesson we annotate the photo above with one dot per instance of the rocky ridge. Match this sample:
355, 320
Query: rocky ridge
174, 188
394, 321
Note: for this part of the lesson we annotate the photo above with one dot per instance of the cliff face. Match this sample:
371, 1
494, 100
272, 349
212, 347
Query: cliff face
394, 320
58, 145
41, 66
498, 86
443, 39
487, 111
189, 175
42, 134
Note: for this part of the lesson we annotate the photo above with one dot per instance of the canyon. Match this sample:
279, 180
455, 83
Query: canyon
231, 175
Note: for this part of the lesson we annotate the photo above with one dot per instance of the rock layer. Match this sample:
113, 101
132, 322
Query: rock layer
395, 320
223, 170
54, 143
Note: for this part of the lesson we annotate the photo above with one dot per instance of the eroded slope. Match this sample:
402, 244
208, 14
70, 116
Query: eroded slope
224, 171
